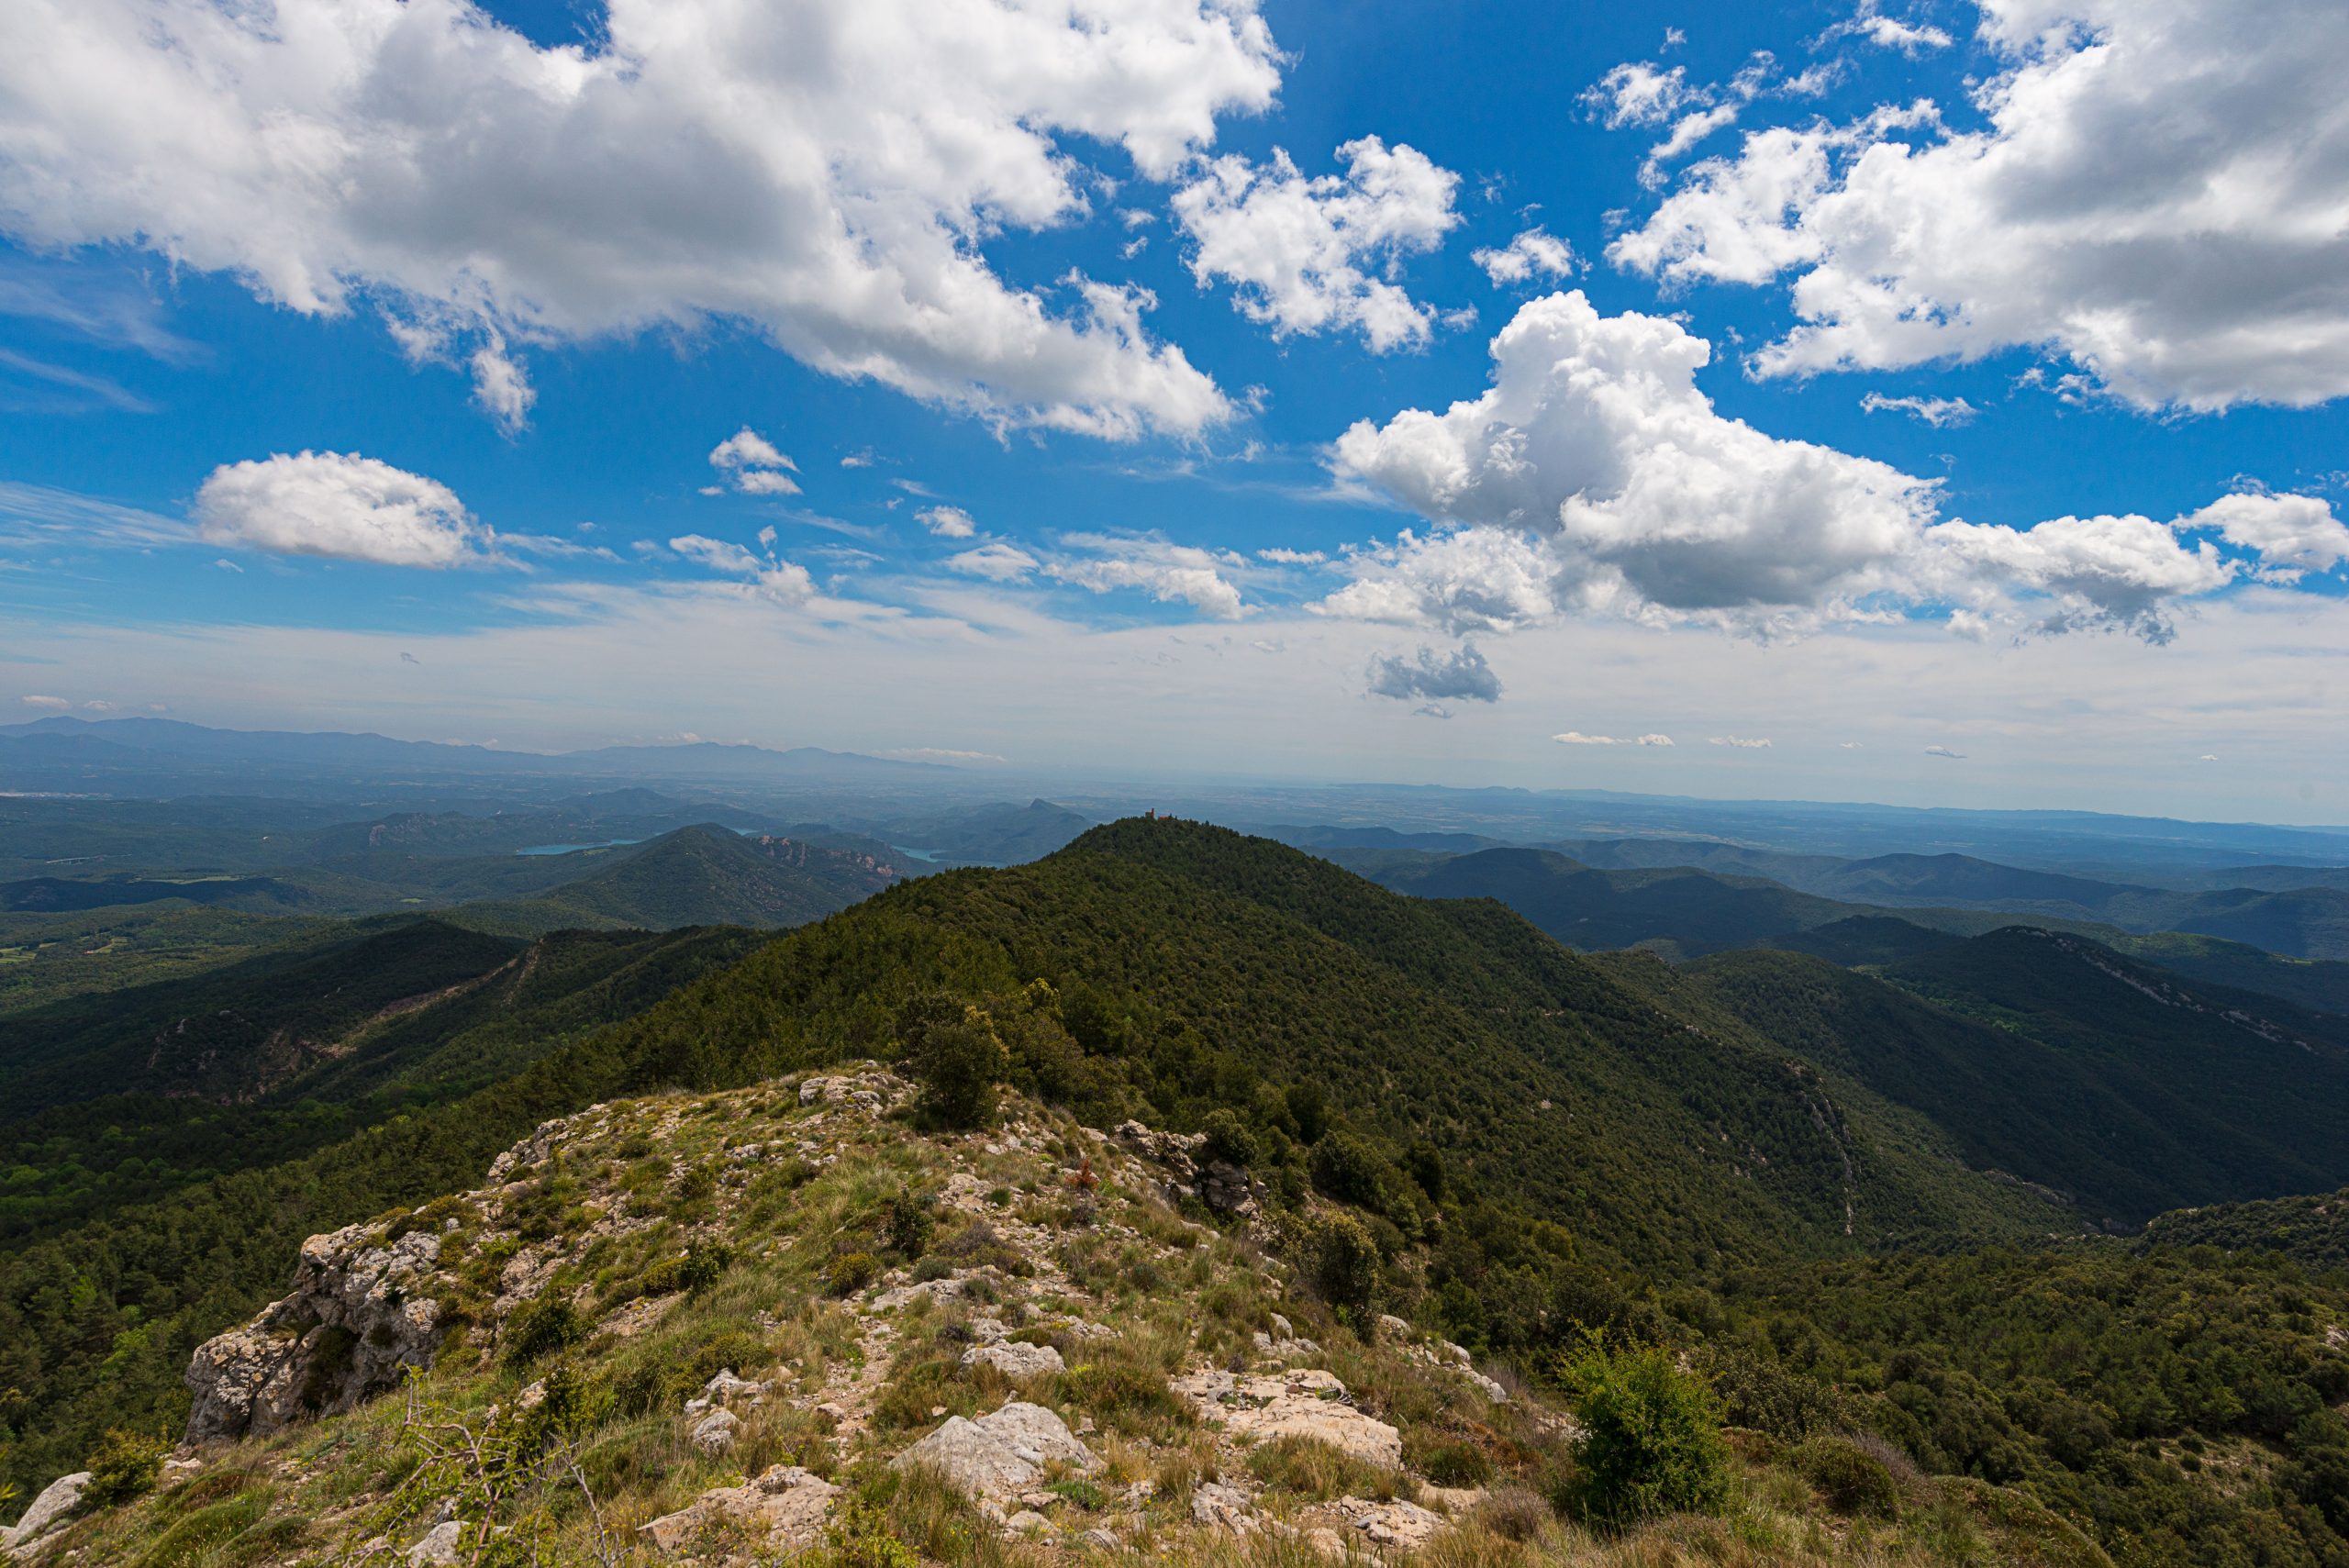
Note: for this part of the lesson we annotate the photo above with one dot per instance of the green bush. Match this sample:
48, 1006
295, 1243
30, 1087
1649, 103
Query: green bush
1650, 1443
1229, 1139
124, 1467
953, 1049
1347, 1168
852, 1272
907, 1224
1341, 1260
539, 1328
1847, 1477
859, 1537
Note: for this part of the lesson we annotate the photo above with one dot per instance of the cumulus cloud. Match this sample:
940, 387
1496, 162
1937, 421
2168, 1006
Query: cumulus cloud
998, 562
1535, 253
1461, 675
1576, 738
2292, 534
1741, 743
1593, 477
829, 175
1310, 255
2154, 194
1939, 412
47, 704
754, 464
343, 506
2125, 571
1944, 751
1279, 556
948, 522
1168, 572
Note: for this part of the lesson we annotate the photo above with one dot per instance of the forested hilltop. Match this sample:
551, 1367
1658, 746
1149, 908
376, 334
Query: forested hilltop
1803, 1183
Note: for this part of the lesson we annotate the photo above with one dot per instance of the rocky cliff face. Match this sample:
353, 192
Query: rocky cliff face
359, 1316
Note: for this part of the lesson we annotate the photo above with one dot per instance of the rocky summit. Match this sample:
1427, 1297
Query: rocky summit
787, 1324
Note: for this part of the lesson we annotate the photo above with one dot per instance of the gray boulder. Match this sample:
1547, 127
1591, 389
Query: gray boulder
1000, 1455
44, 1513
357, 1319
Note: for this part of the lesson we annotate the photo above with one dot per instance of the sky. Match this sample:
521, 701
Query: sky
1898, 400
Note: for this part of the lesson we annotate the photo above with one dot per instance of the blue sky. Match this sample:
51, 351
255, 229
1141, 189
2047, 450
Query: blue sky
2057, 526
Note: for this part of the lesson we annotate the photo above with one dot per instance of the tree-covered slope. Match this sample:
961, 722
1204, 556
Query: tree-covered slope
2310, 1227
704, 876
237, 1032
2126, 1132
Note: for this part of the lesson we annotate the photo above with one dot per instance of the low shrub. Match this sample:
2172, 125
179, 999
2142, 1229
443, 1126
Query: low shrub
1651, 1442
537, 1328
124, 1467
852, 1272
1847, 1478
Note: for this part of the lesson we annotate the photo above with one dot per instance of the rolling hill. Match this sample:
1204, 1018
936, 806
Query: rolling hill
703, 876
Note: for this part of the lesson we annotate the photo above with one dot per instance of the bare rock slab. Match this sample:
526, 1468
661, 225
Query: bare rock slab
1303, 1404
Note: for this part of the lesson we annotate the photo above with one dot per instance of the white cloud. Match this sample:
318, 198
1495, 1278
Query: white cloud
1939, 412
1461, 675
1743, 743
1944, 751
53, 705
501, 386
2290, 533
827, 174
998, 562
748, 449
1593, 477
717, 554
343, 506
765, 577
1283, 557
1473, 579
1687, 132
1911, 39
1306, 255
1533, 253
1636, 93
754, 463
948, 522
2158, 195
1576, 738
2123, 571
1168, 572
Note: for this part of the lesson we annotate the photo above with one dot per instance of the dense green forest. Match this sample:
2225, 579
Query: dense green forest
1787, 1171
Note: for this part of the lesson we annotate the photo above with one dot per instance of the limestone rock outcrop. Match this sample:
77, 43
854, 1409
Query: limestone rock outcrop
1302, 1404
1000, 1455
357, 1317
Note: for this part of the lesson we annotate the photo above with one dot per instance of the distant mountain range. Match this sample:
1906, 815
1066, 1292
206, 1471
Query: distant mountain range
1717, 896
64, 754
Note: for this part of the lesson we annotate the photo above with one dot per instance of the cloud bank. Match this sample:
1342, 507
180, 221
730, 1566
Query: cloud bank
2158, 195
825, 174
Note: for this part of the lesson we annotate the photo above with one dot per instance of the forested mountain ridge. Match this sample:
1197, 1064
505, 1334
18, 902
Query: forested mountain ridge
1536, 1142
